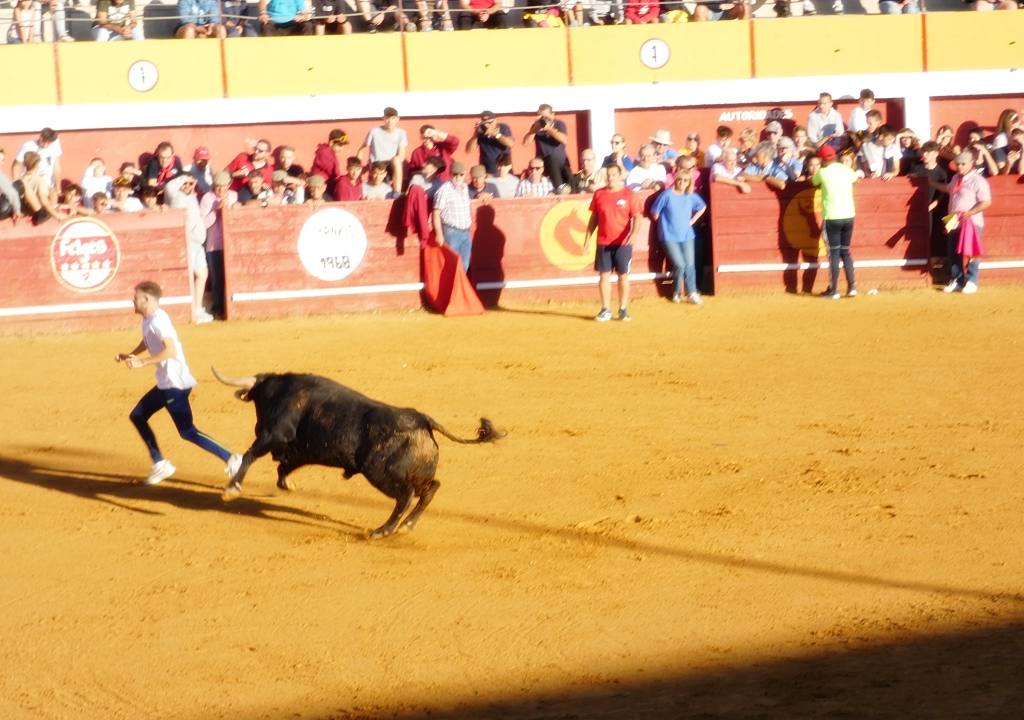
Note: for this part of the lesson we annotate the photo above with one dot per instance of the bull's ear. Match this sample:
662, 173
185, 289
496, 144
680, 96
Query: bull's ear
242, 394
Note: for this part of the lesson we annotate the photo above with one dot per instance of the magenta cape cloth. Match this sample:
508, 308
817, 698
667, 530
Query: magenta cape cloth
969, 243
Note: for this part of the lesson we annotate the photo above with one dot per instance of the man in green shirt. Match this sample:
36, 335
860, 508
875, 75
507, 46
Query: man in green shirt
836, 181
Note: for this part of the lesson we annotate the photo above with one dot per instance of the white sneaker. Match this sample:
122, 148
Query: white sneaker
202, 317
233, 465
808, 8
852, 292
837, 7
952, 287
676, 298
160, 472
970, 288
695, 299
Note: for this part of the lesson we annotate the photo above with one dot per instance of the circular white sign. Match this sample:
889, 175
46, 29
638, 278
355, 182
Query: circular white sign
142, 75
84, 254
654, 53
332, 243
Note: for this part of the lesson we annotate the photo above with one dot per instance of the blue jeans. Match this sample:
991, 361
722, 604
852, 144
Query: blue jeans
176, 402
956, 261
458, 240
838, 234
889, 7
683, 268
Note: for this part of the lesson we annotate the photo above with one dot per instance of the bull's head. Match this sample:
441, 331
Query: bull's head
244, 384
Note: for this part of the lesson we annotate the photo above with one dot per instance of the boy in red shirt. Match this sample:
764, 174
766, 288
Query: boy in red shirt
615, 214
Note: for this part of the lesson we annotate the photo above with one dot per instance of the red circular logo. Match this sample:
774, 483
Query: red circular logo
84, 255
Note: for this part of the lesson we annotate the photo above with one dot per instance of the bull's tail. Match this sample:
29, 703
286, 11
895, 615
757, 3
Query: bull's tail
485, 433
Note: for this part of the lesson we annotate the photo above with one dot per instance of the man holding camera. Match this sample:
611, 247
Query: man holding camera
550, 136
493, 139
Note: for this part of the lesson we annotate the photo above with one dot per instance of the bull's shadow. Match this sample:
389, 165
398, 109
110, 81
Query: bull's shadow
122, 491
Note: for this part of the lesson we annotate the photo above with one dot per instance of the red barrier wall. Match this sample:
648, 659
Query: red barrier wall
45, 287
1003, 238
963, 114
527, 249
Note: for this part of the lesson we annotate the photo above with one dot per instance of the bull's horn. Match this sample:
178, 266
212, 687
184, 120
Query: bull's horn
244, 382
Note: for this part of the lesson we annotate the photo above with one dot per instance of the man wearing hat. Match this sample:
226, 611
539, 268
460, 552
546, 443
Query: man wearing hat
201, 171
212, 206
327, 162
285, 189
773, 132
662, 142
836, 182
479, 188
452, 216
492, 138
316, 187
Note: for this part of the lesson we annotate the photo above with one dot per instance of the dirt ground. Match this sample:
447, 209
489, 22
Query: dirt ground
769, 507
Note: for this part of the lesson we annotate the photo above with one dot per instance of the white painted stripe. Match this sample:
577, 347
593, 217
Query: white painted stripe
1001, 265
324, 292
84, 307
560, 282
777, 267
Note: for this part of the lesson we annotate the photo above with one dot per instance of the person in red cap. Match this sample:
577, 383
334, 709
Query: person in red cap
200, 170
836, 182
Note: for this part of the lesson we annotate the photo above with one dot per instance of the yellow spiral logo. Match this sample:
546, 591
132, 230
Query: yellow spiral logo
563, 230
802, 224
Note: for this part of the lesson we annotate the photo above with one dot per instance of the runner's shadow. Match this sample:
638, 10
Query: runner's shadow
121, 491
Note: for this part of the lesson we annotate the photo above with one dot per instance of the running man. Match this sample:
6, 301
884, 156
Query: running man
174, 383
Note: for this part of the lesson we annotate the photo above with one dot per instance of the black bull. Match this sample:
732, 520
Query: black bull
311, 420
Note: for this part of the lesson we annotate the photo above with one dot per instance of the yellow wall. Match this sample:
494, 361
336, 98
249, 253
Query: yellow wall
853, 44
697, 51
325, 65
519, 57
993, 40
97, 72
29, 75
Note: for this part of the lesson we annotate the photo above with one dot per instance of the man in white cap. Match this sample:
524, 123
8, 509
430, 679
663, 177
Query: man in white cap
662, 142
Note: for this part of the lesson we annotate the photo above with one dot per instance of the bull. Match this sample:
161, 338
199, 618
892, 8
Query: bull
306, 419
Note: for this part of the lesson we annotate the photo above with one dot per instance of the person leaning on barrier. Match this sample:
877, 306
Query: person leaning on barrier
376, 186
10, 199
116, 20
199, 19
47, 146
350, 185
285, 17
492, 139
727, 170
479, 187
535, 183
286, 190
590, 177
255, 191
648, 173
38, 198
316, 187
123, 200
765, 168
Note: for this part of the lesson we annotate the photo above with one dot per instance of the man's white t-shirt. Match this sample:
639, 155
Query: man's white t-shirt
158, 331
385, 145
47, 156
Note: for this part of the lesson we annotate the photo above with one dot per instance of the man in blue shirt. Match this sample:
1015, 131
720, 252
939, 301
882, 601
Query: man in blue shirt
285, 17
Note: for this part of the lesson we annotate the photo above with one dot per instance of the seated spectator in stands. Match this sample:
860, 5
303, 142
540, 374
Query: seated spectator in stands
535, 183
25, 25
123, 200
316, 187
200, 169
384, 15
648, 173
984, 163
492, 139
764, 168
479, 188
866, 103
131, 171
38, 198
327, 159
285, 17
505, 181
285, 160
549, 136
428, 176
910, 150
604, 12
329, 18
199, 19
824, 124
350, 185
947, 149
788, 158
1014, 154
286, 190
544, 14
804, 146
95, 179
985, 5
880, 156
47, 146
898, 7
244, 164
10, 198
723, 139
162, 167
772, 132
481, 14
71, 202
150, 198
435, 143
721, 11
691, 146
590, 176
572, 12
642, 12
812, 164
619, 156
388, 143
376, 186
727, 170
747, 141
116, 20
1007, 122
874, 121
662, 142
255, 191
101, 204
212, 207
239, 17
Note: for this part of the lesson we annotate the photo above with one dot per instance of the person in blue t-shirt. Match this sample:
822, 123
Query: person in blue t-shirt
676, 210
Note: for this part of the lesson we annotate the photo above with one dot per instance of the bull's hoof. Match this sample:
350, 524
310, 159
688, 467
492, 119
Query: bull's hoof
286, 484
231, 492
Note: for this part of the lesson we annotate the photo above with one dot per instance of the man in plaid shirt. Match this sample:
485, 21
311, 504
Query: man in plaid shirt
452, 217
536, 183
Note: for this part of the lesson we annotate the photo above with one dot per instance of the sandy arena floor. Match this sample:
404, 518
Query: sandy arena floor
768, 507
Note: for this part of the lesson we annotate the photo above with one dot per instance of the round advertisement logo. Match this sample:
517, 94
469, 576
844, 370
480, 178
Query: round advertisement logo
84, 255
563, 230
332, 243
801, 222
